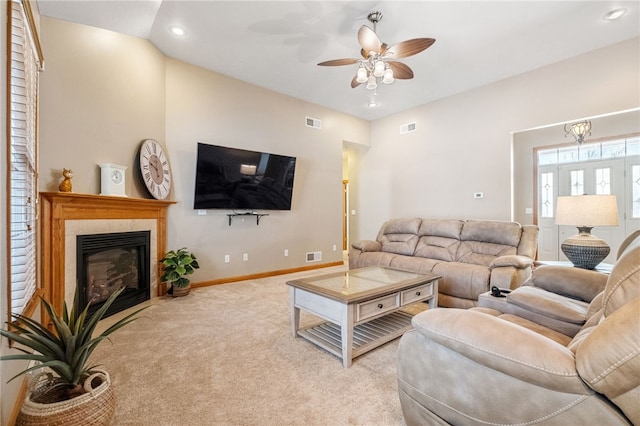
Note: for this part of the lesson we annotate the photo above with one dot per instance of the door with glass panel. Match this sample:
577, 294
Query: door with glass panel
595, 178
611, 167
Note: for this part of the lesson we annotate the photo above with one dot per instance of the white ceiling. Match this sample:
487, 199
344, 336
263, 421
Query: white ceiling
277, 44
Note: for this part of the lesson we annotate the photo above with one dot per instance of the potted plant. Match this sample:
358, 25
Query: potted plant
177, 265
68, 391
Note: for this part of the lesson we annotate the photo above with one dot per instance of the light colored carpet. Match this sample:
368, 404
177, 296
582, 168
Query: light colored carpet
224, 355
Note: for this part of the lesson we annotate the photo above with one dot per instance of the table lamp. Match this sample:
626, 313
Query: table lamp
585, 250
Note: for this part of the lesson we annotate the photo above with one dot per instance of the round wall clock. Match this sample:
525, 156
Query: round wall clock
154, 169
112, 179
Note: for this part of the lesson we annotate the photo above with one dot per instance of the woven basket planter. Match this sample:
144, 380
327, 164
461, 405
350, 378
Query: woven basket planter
95, 407
181, 291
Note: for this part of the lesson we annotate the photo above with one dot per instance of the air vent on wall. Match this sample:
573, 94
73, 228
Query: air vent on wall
314, 122
409, 127
314, 256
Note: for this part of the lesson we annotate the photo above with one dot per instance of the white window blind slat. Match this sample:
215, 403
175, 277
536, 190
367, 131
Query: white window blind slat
23, 85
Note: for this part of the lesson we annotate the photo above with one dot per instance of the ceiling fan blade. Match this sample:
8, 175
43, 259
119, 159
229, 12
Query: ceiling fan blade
338, 62
369, 40
400, 70
354, 82
409, 47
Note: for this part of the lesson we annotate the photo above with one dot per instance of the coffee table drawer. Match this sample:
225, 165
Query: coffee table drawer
377, 307
415, 294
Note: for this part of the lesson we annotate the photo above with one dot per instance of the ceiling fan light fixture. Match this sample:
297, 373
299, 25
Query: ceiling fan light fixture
388, 76
371, 83
378, 68
361, 77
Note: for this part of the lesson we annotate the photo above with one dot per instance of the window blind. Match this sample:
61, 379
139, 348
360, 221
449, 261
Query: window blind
22, 121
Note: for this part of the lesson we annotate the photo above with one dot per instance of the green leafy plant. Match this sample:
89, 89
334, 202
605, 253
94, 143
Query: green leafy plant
178, 264
65, 350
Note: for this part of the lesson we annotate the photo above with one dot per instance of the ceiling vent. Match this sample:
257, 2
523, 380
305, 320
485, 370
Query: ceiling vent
314, 122
406, 128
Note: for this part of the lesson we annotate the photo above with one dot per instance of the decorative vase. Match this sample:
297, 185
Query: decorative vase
181, 291
95, 407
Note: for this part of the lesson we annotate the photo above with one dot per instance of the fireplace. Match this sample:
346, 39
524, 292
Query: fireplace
107, 262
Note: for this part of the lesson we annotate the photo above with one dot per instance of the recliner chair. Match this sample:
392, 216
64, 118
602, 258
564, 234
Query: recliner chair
482, 366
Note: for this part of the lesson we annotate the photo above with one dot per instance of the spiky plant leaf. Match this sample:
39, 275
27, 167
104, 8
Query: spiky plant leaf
65, 352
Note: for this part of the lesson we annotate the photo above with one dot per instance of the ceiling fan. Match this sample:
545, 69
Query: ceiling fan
379, 58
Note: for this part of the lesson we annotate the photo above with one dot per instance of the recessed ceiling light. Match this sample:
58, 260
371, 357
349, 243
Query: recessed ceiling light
177, 31
615, 14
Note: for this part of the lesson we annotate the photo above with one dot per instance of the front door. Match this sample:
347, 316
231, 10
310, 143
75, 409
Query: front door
576, 170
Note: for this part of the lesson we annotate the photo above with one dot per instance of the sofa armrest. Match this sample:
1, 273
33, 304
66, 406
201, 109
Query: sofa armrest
504, 347
367, 246
581, 284
514, 260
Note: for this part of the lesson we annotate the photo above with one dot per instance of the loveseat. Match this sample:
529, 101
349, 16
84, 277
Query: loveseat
481, 366
471, 256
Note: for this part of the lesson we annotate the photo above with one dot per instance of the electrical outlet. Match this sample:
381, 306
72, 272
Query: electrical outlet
245, 256
478, 195
286, 252
334, 247
227, 258
202, 212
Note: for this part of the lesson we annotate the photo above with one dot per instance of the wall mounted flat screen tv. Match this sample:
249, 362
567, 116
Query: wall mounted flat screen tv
238, 179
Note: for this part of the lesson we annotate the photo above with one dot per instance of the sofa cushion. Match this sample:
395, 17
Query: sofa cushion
549, 304
623, 284
399, 236
435, 247
608, 359
482, 253
378, 258
448, 228
463, 280
571, 282
499, 232
415, 264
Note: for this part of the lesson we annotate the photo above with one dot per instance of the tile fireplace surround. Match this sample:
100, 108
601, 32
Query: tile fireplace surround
66, 215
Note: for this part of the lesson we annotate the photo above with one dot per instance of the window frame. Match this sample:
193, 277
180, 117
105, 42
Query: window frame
22, 11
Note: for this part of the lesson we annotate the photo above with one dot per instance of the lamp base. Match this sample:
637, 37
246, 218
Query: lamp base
584, 250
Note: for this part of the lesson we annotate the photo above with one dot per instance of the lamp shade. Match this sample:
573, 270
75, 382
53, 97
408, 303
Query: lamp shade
587, 210
248, 169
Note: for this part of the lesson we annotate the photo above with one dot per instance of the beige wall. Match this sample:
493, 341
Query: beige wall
103, 92
207, 107
462, 144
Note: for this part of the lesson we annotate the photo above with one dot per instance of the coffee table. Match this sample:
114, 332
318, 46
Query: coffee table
361, 307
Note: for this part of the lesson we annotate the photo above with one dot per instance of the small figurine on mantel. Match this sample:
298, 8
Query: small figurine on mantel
65, 185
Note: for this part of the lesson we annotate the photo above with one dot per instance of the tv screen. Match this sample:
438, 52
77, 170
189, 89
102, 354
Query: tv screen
238, 179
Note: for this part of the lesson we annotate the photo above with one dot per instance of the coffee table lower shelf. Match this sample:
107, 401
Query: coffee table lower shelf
366, 336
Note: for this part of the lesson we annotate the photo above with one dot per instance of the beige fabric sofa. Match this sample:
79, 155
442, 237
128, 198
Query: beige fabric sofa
471, 256
482, 366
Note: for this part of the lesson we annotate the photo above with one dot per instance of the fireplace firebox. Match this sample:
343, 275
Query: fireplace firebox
107, 262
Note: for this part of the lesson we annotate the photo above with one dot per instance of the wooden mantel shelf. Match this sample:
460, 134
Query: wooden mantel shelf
58, 207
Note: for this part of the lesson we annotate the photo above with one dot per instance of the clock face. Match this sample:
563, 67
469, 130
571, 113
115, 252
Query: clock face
155, 169
116, 176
